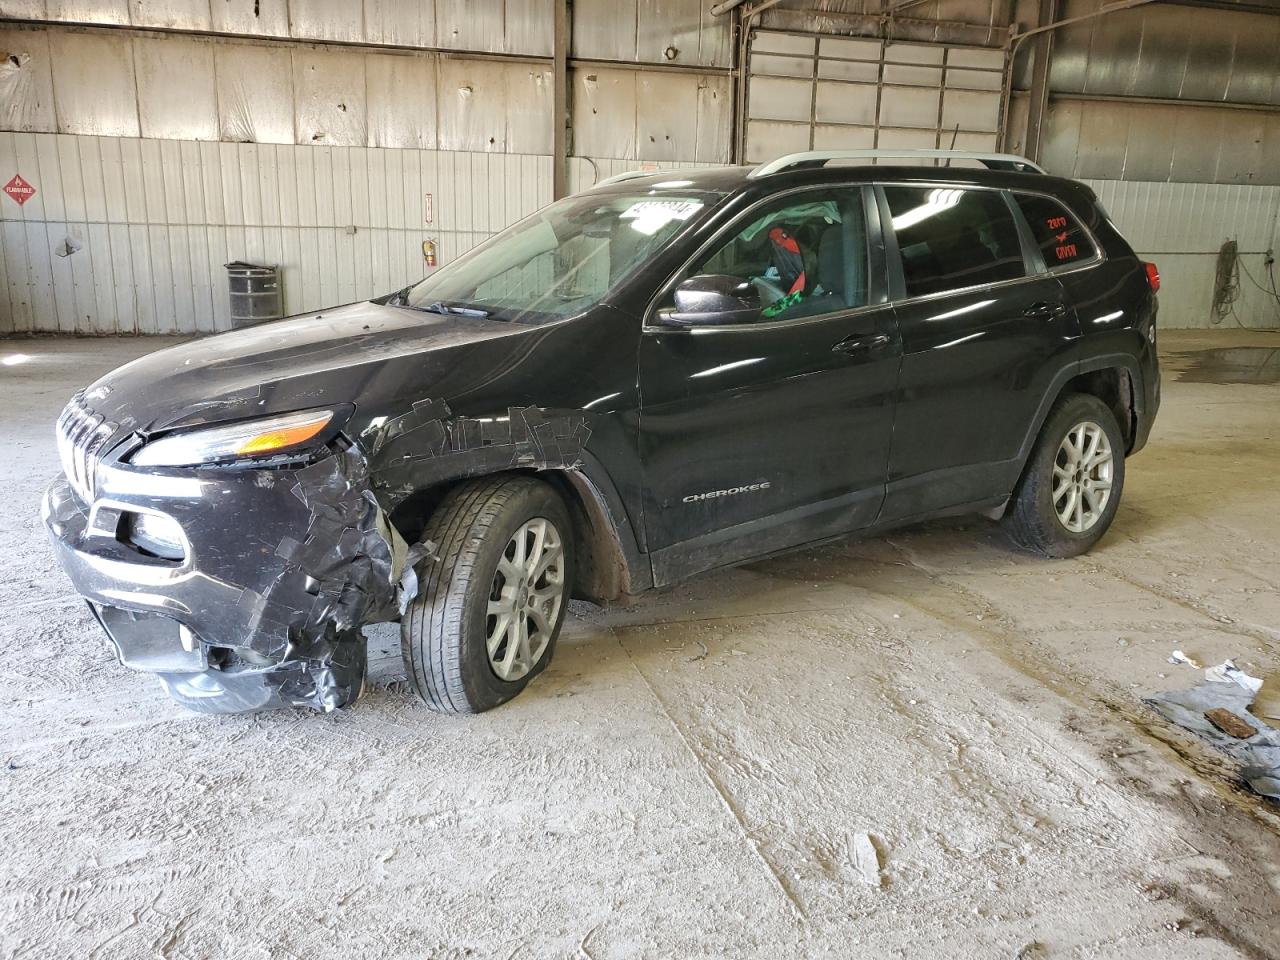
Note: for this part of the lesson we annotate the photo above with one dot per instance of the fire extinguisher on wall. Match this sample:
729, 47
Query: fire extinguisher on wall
429, 252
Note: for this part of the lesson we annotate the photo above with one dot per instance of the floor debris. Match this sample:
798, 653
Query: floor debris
1229, 723
866, 859
1228, 672
1218, 710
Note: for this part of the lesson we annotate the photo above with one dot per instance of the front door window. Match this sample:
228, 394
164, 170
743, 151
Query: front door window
806, 255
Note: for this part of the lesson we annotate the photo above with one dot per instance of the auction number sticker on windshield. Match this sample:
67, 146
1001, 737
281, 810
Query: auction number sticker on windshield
650, 216
664, 209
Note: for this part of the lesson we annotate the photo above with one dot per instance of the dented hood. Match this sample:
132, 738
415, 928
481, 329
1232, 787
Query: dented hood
339, 355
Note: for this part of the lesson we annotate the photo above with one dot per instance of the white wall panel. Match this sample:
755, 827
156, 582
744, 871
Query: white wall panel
409, 23
254, 95
602, 99
506, 26
329, 97
94, 90
88, 11
185, 88
650, 116
401, 95
22, 9
176, 95
327, 20
1181, 226
26, 82
715, 106
172, 14
156, 220
667, 118
269, 18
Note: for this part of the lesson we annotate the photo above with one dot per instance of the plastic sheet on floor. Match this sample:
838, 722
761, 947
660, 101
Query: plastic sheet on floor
1226, 687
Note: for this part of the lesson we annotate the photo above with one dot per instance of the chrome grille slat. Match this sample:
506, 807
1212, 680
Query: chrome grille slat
81, 435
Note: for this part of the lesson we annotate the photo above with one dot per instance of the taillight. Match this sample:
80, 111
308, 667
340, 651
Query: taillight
1153, 277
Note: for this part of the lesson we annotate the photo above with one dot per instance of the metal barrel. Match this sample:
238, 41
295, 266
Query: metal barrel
255, 293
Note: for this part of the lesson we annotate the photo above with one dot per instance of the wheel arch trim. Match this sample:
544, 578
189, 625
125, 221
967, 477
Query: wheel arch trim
1124, 362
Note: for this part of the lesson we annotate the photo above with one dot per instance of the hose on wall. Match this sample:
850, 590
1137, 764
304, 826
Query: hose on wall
1226, 285
1226, 282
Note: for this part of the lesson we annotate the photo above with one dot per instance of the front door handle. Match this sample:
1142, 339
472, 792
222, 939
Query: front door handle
859, 346
1045, 310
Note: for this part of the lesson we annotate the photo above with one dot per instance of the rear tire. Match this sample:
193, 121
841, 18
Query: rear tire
1071, 486
459, 653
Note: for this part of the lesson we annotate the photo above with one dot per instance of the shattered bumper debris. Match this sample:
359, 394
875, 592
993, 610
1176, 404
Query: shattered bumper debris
1219, 710
258, 599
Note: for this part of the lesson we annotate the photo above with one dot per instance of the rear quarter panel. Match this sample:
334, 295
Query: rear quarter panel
1117, 311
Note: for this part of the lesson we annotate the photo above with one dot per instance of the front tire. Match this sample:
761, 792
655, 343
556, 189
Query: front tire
1070, 489
493, 593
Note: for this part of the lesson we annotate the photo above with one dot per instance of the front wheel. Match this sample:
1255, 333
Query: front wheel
1070, 489
493, 593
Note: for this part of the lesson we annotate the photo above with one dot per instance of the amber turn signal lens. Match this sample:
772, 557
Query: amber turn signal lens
284, 437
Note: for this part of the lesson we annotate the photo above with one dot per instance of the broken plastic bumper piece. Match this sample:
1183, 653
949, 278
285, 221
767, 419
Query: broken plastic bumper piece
240, 588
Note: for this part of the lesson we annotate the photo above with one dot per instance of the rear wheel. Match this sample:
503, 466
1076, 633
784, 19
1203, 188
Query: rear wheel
1070, 489
493, 594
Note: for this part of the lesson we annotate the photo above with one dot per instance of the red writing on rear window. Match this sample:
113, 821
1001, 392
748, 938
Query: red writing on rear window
1058, 234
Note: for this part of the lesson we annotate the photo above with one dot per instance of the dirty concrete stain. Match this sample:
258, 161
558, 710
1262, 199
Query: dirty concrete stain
692, 766
1230, 365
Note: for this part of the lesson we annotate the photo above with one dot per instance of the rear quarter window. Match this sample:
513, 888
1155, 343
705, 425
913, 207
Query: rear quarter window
1057, 231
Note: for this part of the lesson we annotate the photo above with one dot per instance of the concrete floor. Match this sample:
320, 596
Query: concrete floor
694, 774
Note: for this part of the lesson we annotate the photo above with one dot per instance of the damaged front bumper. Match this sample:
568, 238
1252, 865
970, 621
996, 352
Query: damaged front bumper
262, 602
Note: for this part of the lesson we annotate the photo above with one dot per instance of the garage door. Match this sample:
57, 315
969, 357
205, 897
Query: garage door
806, 92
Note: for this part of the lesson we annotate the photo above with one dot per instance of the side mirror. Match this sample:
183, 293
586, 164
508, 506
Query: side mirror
713, 299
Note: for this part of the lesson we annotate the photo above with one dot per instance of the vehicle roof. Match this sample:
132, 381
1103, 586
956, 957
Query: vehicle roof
735, 179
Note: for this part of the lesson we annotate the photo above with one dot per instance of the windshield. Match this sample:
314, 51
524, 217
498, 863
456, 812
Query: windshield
561, 260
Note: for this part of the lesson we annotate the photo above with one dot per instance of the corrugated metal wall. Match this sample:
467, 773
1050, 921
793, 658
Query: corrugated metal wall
121, 84
155, 220
288, 138
639, 31
309, 132
1165, 92
128, 235
1181, 226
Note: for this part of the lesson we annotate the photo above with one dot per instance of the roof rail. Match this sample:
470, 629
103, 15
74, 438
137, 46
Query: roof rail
619, 177
819, 158
673, 174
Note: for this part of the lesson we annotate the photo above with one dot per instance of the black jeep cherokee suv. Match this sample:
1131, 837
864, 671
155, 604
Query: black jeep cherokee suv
665, 374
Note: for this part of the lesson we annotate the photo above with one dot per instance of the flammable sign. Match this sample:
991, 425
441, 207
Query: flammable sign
19, 189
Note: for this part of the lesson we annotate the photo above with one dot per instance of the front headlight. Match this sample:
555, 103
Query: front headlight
249, 438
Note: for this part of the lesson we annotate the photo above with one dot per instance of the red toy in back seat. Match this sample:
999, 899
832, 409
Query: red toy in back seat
787, 258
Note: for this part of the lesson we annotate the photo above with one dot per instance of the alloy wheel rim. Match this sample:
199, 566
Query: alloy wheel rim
525, 599
1083, 472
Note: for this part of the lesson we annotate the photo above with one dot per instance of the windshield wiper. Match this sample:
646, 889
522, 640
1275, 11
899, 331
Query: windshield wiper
455, 309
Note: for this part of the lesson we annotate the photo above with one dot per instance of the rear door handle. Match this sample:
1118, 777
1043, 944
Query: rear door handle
1045, 310
858, 346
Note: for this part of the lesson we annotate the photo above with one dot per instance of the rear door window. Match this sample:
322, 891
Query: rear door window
1057, 231
950, 238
